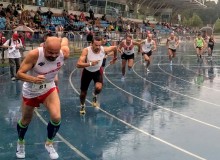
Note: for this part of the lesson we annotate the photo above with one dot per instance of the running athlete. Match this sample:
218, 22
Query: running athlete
91, 62
38, 71
211, 44
147, 47
41, 45
206, 39
126, 49
199, 43
172, 44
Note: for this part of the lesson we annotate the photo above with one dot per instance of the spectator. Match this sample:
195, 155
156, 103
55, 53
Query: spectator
2, 11
14, 55
103, 17
89, 37
91, 13
37, 19
82, 16
39, 11
49, 15
2, 41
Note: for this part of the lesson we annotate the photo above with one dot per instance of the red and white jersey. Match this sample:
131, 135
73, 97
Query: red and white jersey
91, 56
43, 67
128, 49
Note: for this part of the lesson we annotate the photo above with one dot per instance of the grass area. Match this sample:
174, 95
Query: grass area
4, 64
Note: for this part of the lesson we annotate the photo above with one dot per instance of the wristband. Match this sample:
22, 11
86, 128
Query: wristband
90, 63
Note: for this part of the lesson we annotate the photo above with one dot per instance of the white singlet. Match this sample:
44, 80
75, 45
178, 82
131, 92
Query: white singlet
43, 67
172, 43
91, 56
147, 46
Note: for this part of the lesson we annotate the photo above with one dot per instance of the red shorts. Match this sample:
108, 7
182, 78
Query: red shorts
35, 102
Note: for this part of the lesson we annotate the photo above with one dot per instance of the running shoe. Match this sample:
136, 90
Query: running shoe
147, 70
20, 153
94, 101
52, 152
123, 78
13, 79
82, 109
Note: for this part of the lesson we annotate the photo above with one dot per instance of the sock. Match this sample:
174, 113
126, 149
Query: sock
52, 129
21, 130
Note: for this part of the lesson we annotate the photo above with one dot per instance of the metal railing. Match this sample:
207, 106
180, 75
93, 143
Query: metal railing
77, 40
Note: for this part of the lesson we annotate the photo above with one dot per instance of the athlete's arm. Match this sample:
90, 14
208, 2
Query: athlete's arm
82, 59
141, 44
27, 64
167, 42
204, 43
155, 46
195, 43
137, 44
65, 47
120, 47
177, 42
110, 49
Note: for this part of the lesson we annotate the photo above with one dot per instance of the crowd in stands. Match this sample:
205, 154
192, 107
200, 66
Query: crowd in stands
67, 23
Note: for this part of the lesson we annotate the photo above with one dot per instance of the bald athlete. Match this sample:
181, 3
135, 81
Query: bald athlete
147, 47
38, 71
172, 44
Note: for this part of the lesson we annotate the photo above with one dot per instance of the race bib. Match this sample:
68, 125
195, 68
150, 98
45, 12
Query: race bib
41, 87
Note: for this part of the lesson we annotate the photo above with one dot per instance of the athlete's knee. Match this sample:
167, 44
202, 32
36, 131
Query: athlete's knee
26, 120
56, 118
147, 59
98, 88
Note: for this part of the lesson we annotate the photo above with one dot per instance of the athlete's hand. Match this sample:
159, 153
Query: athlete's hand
113, 60
39, 79
95, 62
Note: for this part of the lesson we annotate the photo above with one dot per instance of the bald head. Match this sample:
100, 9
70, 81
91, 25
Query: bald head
53, 43
52, 48
150, 35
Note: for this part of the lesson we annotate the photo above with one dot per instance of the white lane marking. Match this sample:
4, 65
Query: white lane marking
186, 80
166, 109
3, 74
63, 139
133, 127
214, 104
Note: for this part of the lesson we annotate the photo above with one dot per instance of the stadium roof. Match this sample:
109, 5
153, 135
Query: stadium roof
177, 4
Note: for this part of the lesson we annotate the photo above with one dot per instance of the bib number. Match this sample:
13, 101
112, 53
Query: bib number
43, 86
40, 87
